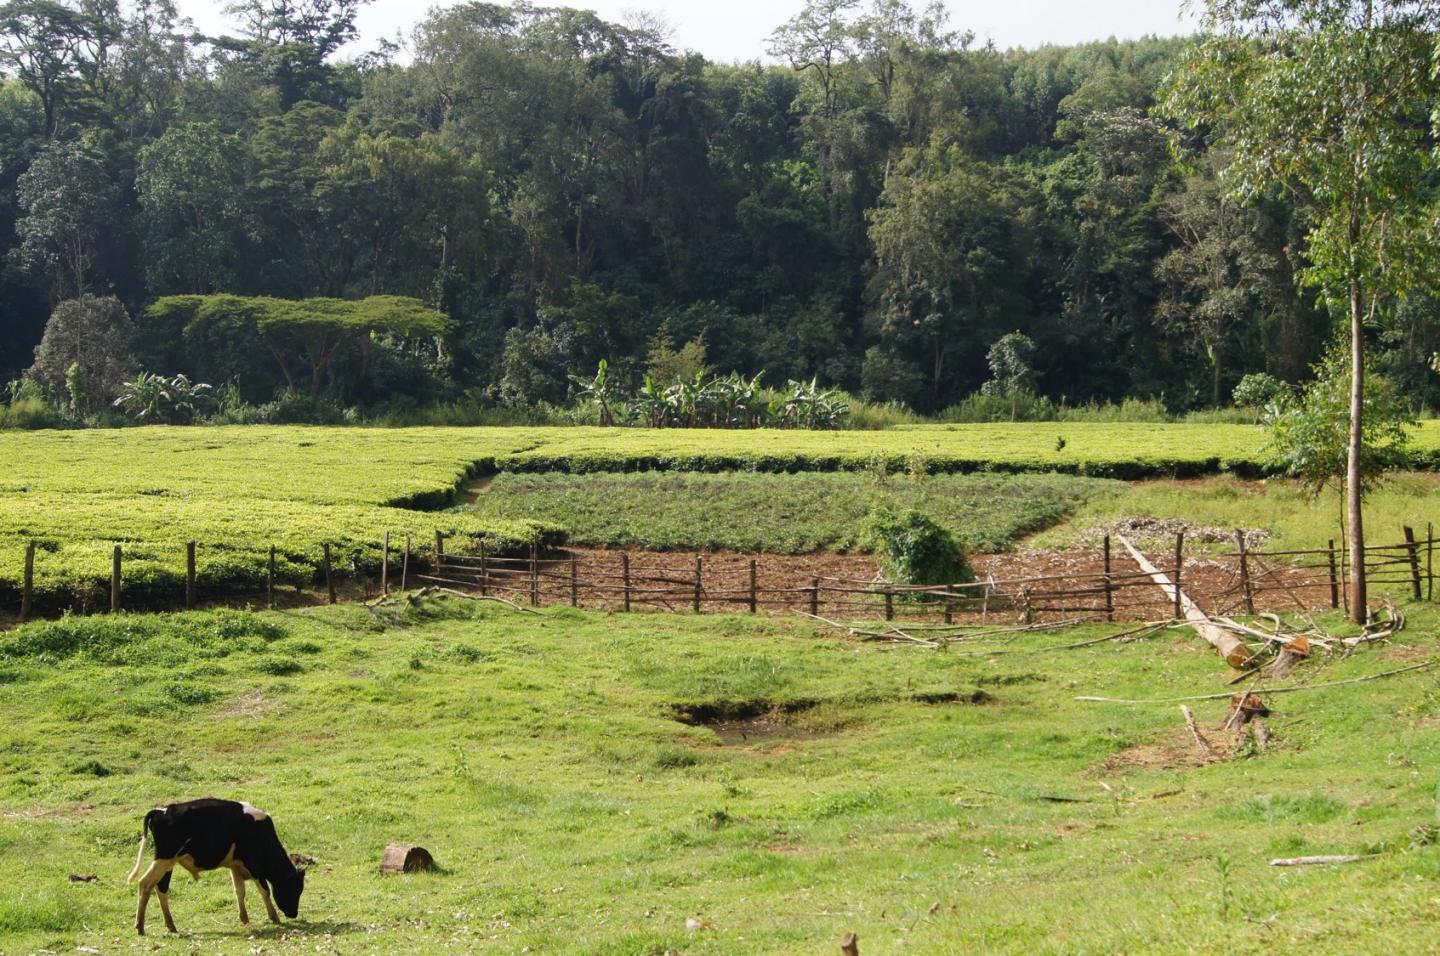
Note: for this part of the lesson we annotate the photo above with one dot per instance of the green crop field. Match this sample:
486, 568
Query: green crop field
238, 490
781, 514
931, 802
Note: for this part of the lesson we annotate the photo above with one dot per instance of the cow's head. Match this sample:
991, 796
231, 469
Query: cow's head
287, 892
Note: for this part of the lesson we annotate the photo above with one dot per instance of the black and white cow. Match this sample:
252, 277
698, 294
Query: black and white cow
209, 834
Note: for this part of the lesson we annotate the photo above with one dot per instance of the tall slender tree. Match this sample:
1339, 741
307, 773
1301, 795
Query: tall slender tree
1329, 101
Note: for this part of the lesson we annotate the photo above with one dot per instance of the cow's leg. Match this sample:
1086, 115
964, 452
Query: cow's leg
269, 906
162, 890
158, 869
240, 894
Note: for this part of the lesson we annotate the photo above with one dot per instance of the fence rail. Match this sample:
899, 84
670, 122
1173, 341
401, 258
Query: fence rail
1245, 580
1108, 587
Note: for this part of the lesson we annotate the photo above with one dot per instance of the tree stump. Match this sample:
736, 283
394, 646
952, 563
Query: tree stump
405, 858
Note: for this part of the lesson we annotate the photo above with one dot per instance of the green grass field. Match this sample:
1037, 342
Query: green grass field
539, 758
781, 514
238, 490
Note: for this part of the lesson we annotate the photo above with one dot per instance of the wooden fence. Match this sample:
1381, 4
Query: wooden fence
1105, 585
1245, 580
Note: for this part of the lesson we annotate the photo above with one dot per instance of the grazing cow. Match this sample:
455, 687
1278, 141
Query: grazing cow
206, 835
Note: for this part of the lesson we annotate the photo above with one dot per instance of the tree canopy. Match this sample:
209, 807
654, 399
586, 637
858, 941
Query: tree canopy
876, 207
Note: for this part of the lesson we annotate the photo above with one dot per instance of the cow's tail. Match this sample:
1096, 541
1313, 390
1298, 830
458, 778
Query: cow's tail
140, 854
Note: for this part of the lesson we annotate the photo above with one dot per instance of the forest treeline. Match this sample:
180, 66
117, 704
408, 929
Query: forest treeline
875, 208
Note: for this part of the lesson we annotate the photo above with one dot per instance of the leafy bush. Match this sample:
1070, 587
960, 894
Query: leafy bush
1019, 405
912, 548
298, 408
31, 407
1309, 434
1257, 390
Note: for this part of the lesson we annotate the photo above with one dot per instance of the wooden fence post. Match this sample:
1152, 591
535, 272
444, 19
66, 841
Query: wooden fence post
189, 575
27, 587
1109, 585
439, 550
1334, 578
697, 584
484, 570
1245, 572
625, 577
574, 583
949, 604
385, 565
329, 578
534, 575
1414, 553
814, 597
405, 566
115, 581
1429, 561
1179, 565
270, 580
754, 598
889, 603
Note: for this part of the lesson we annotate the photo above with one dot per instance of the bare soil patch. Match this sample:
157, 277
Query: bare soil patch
665, 580
1174, 750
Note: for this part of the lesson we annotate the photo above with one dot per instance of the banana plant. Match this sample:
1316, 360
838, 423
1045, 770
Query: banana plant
600, 390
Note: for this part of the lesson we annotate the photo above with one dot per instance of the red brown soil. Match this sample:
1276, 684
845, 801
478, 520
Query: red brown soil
665, 581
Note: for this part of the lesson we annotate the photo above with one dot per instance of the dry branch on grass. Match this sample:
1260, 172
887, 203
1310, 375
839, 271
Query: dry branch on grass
1200, 741
414, 596
1295, 688
895, 634
1320, 860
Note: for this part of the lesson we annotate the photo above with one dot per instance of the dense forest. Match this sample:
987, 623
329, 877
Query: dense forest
875, 207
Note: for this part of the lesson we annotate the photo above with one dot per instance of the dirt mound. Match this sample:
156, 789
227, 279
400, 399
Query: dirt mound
1145, 530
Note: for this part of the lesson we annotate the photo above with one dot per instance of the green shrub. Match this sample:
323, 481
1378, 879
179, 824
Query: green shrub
912, 548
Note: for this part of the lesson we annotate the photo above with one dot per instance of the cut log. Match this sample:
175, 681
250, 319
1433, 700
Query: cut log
405, 858
1243, 709
1296, 650
1231, 648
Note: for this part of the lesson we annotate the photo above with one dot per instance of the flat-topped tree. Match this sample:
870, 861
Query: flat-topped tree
308, 331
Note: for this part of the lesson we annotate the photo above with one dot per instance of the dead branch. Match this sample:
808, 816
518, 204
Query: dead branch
1270, 690
1200, 741
893, 634
434, 589
1316, 860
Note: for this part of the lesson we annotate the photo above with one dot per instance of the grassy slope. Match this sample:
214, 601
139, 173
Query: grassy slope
787, 514
535, 757
238, 490
1296, 520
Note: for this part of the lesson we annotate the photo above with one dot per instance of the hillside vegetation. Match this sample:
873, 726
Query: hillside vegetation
939, 801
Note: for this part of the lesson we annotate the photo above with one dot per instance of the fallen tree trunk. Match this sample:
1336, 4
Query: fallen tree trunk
1234, 650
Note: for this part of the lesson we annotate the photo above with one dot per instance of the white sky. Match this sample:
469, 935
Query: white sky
737, 29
